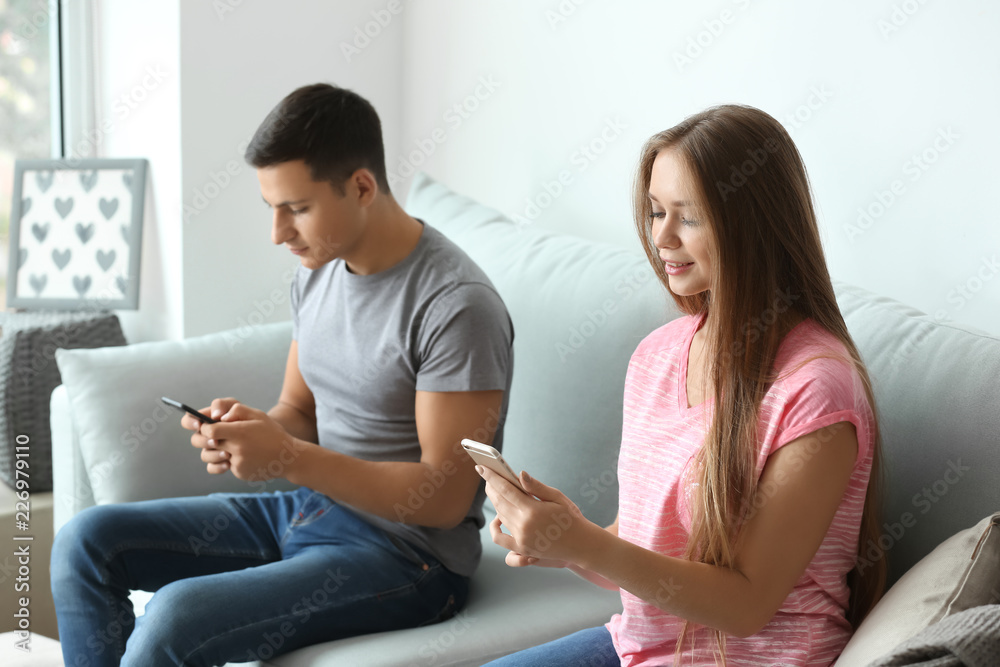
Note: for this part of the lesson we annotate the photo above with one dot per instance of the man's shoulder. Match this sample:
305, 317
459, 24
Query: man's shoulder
446, 268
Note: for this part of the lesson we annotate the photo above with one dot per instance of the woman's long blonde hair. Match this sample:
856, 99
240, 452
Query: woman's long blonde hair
755, 200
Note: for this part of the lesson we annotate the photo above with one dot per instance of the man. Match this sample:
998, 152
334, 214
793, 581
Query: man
401, 347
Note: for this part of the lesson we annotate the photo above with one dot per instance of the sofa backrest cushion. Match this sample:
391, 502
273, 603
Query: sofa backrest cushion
937, 392
579, 309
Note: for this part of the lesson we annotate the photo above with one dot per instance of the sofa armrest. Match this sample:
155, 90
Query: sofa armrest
70, 483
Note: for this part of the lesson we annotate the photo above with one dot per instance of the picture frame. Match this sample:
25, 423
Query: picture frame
76, 234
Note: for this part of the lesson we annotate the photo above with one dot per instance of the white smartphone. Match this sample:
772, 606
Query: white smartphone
487, 456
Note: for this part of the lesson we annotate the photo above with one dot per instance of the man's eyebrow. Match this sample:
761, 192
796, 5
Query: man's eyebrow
285, 203
675, 203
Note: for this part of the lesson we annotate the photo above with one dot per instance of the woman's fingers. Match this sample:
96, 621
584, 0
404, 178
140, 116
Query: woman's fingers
501, 538
515, 559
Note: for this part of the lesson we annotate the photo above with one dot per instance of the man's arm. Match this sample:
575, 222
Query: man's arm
296, 408
436, 491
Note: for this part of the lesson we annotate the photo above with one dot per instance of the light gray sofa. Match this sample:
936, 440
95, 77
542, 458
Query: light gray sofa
579, 310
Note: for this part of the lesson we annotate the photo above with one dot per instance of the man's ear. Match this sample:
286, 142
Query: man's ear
363, 186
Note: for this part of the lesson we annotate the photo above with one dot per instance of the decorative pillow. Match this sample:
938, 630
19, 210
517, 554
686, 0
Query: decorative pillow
28, 375
962, 572
133, 446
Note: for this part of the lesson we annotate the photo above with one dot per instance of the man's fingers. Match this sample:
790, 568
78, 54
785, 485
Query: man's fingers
218, 468
214, 456
220, 406
198, 440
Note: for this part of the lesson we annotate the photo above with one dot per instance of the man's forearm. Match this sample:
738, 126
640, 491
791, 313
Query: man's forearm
408, 492
297, 424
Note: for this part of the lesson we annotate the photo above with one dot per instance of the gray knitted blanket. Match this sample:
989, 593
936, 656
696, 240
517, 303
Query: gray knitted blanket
970, 638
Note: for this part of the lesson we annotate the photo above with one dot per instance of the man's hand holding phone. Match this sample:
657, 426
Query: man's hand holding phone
244, 440
217, 460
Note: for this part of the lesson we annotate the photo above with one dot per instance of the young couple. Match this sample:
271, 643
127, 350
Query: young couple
749, 458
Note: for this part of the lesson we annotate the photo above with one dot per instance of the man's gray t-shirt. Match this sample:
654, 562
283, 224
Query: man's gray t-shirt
367, 344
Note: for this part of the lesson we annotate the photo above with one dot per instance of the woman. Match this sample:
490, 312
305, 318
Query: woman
749, 464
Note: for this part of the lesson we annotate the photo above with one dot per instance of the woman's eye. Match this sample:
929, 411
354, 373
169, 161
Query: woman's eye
298, 211
656, 214
688, 222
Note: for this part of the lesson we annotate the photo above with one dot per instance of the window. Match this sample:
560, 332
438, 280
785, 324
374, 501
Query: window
30, 108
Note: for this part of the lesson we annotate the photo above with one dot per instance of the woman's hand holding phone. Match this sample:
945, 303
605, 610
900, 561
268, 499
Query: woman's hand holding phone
547, 529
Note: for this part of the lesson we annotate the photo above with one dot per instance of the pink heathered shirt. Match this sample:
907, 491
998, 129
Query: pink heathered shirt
660, 436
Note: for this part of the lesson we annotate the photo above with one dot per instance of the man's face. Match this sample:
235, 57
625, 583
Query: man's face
311, 218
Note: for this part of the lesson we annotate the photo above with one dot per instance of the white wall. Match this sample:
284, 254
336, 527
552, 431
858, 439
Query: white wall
137, 114
565, 68
208, 260
532, 89
234, 68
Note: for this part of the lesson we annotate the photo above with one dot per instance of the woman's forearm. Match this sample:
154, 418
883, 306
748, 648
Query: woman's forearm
705, 594
593, 577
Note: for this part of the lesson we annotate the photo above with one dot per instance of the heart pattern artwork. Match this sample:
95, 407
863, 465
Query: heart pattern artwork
105, 259
74, 233
108, 207
61, 258
84, 231
88, 179
64, 206
40, 231
44, 180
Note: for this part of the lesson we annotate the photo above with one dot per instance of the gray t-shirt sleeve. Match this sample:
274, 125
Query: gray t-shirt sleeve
465, 341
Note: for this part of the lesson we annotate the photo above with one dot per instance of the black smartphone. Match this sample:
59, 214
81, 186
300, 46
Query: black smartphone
205, 419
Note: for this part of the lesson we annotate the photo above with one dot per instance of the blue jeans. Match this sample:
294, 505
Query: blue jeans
237, 578
587, 648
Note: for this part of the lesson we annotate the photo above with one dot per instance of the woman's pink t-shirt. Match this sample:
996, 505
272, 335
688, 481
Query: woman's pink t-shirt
661, 435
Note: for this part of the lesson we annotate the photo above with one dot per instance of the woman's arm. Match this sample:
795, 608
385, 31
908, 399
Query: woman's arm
808, 477
593, 577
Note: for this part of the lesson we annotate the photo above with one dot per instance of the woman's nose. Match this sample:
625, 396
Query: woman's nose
665, 237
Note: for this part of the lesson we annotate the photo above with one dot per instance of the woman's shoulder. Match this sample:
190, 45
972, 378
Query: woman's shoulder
810, 350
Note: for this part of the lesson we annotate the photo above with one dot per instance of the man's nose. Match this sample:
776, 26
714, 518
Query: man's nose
281, 228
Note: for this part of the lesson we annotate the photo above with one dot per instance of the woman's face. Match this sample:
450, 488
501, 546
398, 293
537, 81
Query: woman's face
679, 236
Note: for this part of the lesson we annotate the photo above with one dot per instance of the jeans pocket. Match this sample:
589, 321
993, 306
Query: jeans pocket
313, 508
446, 612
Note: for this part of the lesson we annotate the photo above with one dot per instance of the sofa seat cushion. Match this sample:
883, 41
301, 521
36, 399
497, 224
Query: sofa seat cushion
509, 609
